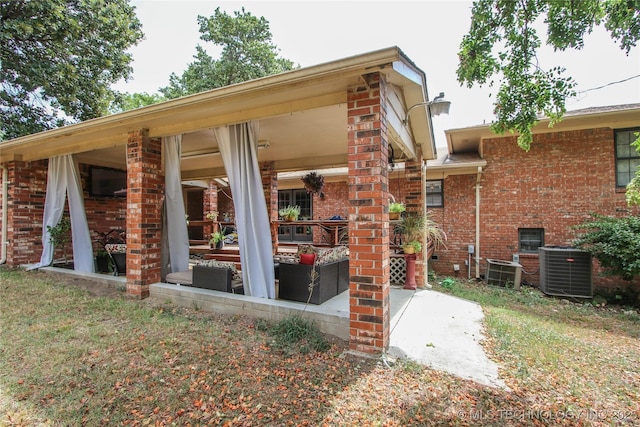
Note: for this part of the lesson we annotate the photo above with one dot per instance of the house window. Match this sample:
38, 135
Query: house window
627, 158
530, 239
435, 194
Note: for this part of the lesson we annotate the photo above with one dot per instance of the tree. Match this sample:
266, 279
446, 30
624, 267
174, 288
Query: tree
129, 101
59, 59
502, 44
247, 53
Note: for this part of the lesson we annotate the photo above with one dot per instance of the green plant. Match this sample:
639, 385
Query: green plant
297, 334
60, 235
614, 242
217, 236
448, 283
417, 246
290, 212
421, 228
398, 207
314, 183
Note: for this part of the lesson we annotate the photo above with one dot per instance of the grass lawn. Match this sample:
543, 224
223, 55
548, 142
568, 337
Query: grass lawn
69, 358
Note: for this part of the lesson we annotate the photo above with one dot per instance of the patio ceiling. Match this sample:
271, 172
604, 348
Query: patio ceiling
302, 116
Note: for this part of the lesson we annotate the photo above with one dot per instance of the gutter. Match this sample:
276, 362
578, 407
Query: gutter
5, 204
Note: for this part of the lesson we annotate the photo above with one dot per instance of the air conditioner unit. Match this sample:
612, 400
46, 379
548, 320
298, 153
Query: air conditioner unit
501, 273
565, 272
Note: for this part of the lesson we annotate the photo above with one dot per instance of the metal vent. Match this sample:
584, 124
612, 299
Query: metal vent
565, 272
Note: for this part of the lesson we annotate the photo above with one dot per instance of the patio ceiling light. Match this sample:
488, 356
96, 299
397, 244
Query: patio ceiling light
436, 107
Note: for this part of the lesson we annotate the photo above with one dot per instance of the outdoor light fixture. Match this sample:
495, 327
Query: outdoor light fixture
209, 152
436, 107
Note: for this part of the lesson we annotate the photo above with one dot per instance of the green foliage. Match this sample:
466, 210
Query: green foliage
448, 283
131, 101
247, 53
502, 44
217, 236
60, 235
615, 242
297, 334
59, 59
633, 188
397, 207
290, 211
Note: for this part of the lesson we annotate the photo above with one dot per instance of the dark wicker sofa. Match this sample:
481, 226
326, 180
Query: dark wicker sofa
210, 274
332, 276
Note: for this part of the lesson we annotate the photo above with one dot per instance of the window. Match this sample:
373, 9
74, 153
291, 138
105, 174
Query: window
627, 158
302, 198
530, 239
435, 194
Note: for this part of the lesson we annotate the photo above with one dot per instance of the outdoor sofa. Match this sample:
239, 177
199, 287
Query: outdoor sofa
210, 274
331, 266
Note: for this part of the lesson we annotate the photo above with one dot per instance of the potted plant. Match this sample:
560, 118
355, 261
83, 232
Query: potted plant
314, 183
415, 230
395, 210
217, 239
412, 247
60, 236
290, 213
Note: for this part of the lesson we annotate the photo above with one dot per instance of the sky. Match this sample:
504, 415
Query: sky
428, 32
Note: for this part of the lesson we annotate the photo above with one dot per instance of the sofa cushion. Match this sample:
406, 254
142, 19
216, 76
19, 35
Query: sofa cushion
328, 255
221, 264
180, 277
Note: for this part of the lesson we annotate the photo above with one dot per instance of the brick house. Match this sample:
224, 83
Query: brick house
487, 192
346, 113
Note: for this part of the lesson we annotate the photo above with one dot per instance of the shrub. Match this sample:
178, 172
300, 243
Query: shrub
614, 242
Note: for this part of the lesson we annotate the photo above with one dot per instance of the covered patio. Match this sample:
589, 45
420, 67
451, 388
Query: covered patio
351, 113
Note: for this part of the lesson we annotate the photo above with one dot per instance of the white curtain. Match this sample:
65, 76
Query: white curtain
238, 148
63, 178
177, 233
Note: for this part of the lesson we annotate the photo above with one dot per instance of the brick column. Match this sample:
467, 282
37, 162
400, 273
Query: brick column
270, 188
210, 204
414, 188
145, 192
368, 216
27, 187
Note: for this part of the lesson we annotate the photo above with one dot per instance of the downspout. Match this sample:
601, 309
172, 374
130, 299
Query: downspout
425, 261
477, 248
5, 205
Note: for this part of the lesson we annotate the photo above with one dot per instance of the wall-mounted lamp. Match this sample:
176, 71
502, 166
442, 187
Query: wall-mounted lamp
436, 107
214, 152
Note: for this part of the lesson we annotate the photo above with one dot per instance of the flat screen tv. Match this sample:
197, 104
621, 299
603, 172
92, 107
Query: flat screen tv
106, 182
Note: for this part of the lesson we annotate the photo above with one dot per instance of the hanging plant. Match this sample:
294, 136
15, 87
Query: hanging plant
314, 183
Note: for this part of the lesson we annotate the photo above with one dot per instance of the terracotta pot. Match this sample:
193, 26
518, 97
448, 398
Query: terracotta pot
393, 216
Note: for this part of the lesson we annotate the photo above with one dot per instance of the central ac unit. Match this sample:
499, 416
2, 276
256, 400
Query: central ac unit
565, 272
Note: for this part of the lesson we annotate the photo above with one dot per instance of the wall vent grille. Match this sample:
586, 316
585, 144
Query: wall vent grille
565, 272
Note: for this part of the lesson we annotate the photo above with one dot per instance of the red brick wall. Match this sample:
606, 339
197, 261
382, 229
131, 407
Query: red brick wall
457, 219
25, 199
103, 213
564, 177
368, 217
